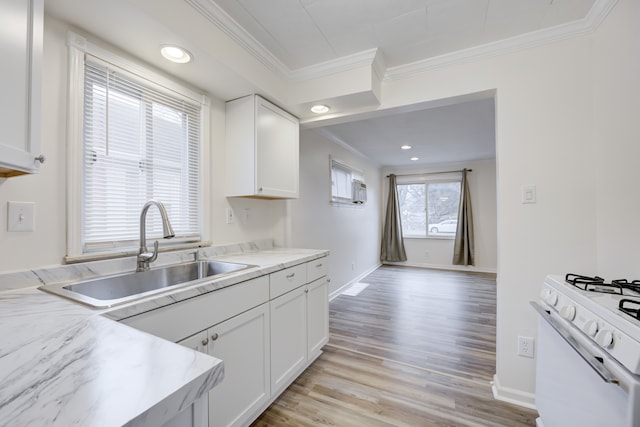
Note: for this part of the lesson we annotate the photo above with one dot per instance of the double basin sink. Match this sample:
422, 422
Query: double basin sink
112, 290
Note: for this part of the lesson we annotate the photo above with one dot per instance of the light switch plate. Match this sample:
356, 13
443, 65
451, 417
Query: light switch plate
20, 216
230, 216
528, 194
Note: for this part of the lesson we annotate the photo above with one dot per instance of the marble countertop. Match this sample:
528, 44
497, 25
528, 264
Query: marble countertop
63, 364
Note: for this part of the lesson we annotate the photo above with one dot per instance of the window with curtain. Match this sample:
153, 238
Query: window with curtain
140, 139
429, 208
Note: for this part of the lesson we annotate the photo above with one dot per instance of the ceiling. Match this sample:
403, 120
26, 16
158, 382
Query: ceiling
304, 33
305, 39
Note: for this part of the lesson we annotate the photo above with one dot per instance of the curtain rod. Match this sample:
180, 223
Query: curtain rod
433, 173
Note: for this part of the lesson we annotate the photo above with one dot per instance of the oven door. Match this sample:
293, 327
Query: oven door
577, 384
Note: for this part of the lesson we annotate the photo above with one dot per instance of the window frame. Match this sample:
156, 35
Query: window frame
353, 173
426, 181
78, 48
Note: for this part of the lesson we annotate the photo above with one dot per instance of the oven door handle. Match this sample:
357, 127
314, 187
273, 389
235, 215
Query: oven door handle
591, 360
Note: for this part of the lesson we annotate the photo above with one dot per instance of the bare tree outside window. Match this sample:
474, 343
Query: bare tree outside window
429, 208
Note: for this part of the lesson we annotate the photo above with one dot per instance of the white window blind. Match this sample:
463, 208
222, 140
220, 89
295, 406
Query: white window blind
139, 143
342, 177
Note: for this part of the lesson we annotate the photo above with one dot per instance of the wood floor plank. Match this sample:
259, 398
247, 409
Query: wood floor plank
415, 348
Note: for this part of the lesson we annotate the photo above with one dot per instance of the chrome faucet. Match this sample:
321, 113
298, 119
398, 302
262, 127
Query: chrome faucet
144, 256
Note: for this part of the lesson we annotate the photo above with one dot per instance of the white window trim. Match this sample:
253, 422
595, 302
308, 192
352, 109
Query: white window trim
354, 173
427, 179
78, 46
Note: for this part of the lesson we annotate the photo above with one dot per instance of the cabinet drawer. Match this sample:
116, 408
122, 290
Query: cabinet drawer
317, 268
182, 319
287, 280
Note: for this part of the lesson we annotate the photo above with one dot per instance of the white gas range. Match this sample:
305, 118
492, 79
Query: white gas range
588, 361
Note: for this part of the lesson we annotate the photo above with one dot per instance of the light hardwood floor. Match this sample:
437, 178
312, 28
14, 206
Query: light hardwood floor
415, 348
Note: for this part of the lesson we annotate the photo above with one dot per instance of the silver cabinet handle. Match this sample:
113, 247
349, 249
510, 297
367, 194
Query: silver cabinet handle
318, 265
40, 159
215, 336
591, 360
205, 341
290, 276
306, 291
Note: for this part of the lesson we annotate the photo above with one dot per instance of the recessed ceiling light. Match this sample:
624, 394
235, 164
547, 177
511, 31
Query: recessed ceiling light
320, 109
415, 158
175, 54
406, 147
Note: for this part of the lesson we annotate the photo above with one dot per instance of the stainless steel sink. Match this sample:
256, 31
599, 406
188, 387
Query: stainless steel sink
113, 290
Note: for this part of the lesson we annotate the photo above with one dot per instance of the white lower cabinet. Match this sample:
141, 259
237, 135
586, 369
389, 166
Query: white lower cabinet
288, 337
317, 316
299, 330
266, 330
242, 343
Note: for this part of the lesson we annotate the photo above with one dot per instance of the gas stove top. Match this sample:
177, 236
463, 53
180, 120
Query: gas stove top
605, 311
599, 285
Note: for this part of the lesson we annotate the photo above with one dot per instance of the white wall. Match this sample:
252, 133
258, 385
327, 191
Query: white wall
544, 124
616, 71
47, 244
438, 252
351, 233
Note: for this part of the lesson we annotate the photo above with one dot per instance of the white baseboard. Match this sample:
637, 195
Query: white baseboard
445, 267
338, 291
511, 395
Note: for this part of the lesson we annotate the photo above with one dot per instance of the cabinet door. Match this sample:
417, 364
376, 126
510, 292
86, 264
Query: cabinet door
21, 49
317, 316
198, 414
277, 149
242, 343
288, 338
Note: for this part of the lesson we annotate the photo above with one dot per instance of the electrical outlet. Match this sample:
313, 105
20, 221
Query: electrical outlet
526, 347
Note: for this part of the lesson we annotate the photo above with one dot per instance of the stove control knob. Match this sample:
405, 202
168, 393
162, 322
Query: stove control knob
552, 298
604, 338
591, 328
568, 312
544, 294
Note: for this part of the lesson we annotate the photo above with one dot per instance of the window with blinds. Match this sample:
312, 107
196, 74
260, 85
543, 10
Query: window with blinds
342, 177
140, 142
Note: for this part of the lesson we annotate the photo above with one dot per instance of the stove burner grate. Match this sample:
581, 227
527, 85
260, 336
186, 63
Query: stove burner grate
630, 307
588, 283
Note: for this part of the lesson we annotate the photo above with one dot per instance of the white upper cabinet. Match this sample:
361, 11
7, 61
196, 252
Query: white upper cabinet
262, 152
20, 86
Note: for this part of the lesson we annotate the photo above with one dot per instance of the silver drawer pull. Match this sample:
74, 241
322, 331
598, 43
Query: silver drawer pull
318, 265
290, 276
40, 159
215, 336
205, 341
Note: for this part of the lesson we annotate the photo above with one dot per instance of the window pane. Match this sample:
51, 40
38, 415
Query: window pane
412, 201
443, 203
139, 144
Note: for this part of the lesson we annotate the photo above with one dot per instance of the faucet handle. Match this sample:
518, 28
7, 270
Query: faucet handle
154, 256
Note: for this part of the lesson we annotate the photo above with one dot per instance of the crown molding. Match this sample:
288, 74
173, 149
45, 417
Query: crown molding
587, 25
218, 17
335, 66
326, 133
374, 58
